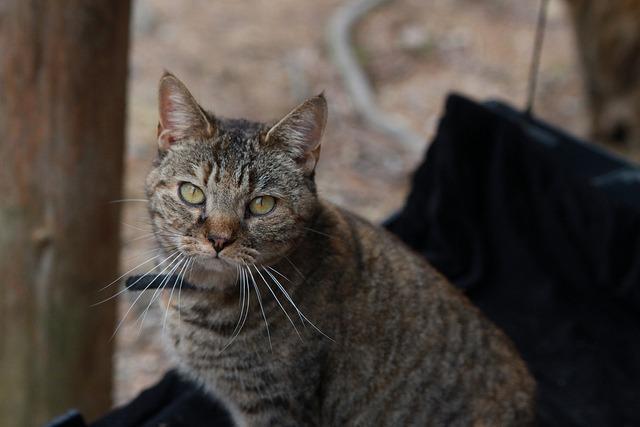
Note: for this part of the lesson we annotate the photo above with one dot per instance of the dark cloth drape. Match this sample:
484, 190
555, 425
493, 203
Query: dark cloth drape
543, 233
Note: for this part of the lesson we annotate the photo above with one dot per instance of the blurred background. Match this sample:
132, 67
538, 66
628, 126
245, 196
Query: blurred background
65, 80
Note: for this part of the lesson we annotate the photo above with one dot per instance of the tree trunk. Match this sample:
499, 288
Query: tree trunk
63, 69
608, 41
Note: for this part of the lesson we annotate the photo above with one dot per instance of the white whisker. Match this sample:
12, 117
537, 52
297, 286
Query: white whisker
294, 267
278, 273
133, 226
278, 301
277, 282
302, 316
191, 261
245, 295
173, 288
159, 289
134, 283
321, 233
189, 266
175, 255
255, 286
241, 298
142, 237
134, 268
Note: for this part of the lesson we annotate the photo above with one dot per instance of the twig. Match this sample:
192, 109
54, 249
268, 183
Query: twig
339, 39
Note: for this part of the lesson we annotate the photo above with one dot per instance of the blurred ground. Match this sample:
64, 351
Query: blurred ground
257, 59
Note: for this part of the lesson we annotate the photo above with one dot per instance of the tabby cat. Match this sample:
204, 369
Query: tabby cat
303, 314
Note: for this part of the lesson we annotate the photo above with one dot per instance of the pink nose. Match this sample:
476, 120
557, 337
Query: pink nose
219, 243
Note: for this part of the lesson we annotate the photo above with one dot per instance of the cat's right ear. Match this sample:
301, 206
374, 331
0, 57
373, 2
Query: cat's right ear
180, 115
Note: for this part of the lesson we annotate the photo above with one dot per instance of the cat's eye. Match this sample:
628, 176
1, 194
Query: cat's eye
191, 194
262, 205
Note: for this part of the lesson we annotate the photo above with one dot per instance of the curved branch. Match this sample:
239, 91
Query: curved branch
338, 34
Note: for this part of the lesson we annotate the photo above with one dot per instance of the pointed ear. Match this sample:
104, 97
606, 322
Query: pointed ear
300, 132
180, 115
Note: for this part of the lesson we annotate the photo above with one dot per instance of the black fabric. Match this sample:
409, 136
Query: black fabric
71, 419
173, 402
543, 233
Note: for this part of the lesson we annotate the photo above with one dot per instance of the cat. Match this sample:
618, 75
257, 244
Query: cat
304, 314
608, 40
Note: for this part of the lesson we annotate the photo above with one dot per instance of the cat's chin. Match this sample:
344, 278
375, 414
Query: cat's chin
217, 265
212, 273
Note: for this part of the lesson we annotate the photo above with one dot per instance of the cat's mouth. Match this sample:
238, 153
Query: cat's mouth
209, 258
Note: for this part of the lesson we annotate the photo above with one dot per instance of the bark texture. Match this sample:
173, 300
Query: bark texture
63, 73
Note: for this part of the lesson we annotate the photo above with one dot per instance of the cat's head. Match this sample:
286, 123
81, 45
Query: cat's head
232, 192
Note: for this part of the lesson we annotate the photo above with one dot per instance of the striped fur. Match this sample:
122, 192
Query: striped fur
380, 337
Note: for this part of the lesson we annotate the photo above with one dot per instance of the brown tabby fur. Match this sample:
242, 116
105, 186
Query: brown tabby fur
380, 339
608, 38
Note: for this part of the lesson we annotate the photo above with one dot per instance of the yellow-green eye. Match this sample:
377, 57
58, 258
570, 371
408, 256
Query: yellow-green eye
191, 194
262, 205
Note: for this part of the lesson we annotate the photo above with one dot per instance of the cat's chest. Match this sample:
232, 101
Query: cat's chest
213, 347
238, 373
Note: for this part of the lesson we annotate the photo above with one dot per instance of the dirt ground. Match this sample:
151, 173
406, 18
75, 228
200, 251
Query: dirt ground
257, 59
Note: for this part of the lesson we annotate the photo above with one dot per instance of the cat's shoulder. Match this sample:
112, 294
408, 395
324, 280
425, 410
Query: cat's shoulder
348, 226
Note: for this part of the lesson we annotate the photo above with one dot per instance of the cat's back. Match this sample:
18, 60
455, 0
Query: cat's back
415, 350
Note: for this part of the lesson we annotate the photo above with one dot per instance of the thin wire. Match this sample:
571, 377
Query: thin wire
535, 58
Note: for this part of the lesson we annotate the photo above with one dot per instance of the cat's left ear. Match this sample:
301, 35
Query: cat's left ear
300, 132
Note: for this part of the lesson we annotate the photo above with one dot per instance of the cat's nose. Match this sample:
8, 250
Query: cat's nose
219, 242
